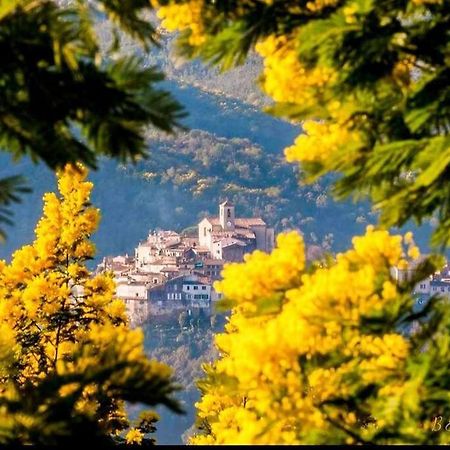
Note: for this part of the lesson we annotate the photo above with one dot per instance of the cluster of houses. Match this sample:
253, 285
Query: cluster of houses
170, 273
436, 284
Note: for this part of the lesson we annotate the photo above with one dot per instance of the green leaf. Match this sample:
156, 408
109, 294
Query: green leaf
436, 159
10, 190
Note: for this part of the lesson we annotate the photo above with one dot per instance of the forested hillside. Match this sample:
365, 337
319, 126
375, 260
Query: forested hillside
230, 151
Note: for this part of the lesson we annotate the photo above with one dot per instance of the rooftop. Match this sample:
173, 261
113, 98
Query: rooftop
242, 222
228, 241
214, 262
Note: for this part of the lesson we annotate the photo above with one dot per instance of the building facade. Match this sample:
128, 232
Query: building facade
230, 238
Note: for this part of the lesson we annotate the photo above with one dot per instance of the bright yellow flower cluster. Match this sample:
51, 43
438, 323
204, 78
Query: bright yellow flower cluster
42, 278
321, 142
277, 369
134, 436
55, 318
281, 269
285, 78
183, 16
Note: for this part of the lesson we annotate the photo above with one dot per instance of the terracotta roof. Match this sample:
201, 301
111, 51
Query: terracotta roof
246, 222
213, 220
227, 242
238, 233
213, 262
189, 241
243, 222
117, 267
169, 269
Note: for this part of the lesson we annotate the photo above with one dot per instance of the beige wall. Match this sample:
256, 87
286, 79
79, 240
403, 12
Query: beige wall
131, 291
204, 241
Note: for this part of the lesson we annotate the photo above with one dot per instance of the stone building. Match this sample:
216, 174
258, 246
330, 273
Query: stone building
181, 293
229, 238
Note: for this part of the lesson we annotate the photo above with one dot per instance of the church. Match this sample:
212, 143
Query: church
229, 238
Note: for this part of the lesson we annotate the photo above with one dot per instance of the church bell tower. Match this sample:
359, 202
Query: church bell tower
226, 216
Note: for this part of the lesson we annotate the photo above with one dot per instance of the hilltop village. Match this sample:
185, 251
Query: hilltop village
170, 273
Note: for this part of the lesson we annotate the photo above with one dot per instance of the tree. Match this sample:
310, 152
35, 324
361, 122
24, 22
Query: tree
334, 353
68, 360
337, 352
62, 100
370, 80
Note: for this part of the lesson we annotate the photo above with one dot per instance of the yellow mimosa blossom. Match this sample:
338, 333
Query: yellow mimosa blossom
58, 320
134, 436
285, 79
320, 142
278, 368
263, 274
414, 252
183, 16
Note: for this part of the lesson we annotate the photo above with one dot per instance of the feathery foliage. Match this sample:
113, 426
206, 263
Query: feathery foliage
370, 79
335, 353
68, 360
61, 99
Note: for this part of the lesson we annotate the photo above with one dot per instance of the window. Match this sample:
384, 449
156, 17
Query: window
205, 297
203, 288
197, 296
195, 288
228, 213
188, 288
204, 231
175, 287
